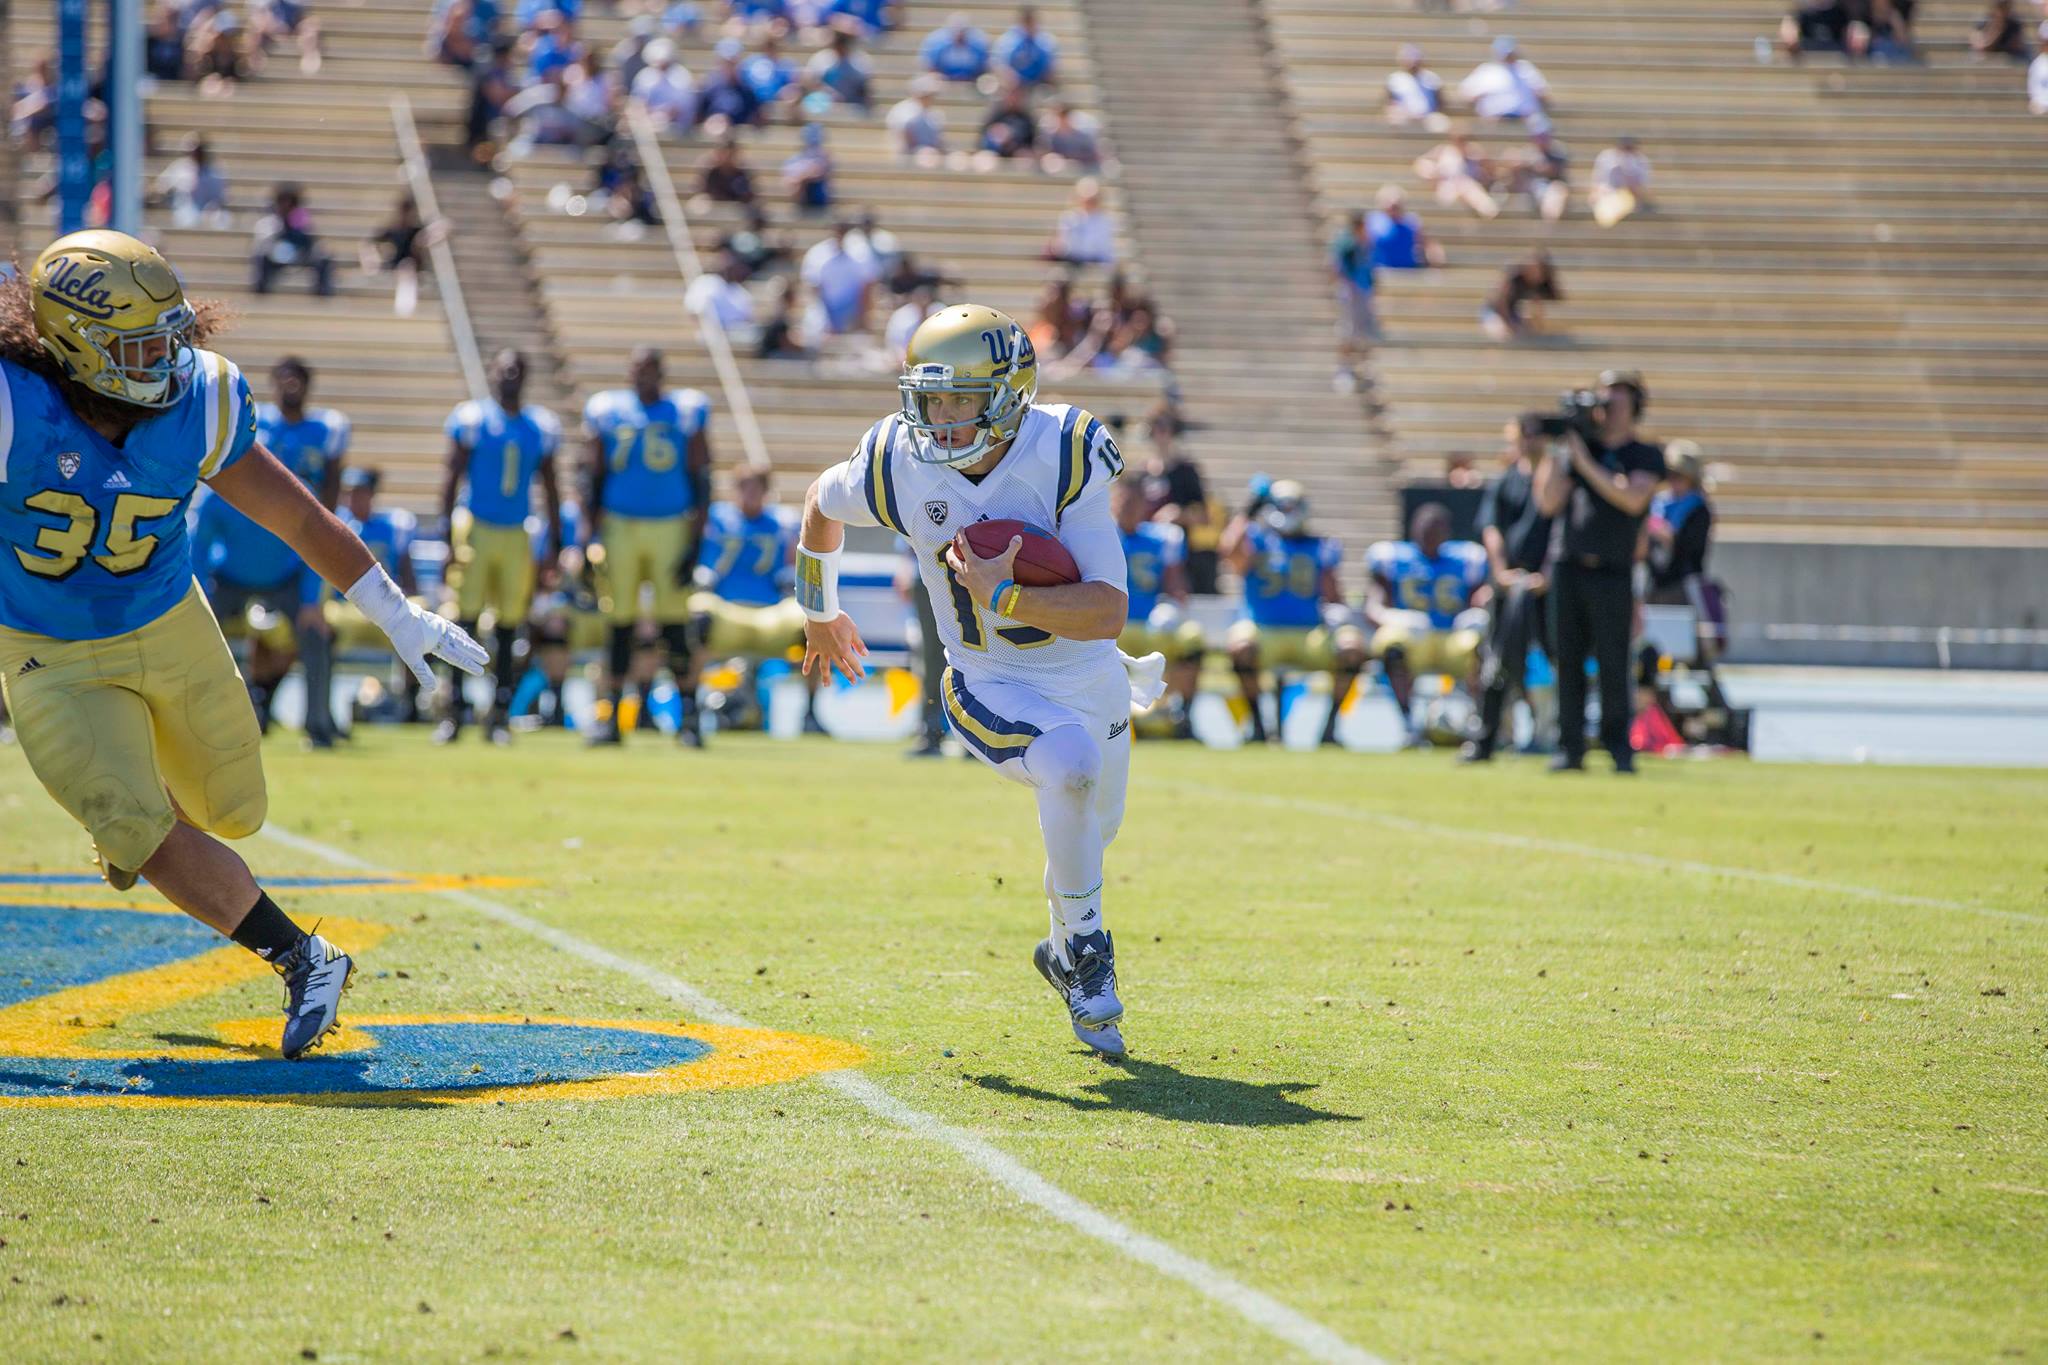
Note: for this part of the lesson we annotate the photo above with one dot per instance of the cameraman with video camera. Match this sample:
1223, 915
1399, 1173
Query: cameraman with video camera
1599, 496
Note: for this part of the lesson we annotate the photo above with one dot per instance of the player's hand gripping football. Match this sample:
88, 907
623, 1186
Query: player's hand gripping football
835, 644
981, 577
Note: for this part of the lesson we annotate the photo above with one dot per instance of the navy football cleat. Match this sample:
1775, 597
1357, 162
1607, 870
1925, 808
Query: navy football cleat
315, 974
1088, 987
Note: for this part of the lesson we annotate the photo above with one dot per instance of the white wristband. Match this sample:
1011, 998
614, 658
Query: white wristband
378, 598
817, 583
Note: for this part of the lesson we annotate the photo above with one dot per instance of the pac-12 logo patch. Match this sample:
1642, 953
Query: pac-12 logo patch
67, 464
938, 511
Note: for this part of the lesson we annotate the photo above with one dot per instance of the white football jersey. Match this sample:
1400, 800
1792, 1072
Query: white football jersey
1055, 475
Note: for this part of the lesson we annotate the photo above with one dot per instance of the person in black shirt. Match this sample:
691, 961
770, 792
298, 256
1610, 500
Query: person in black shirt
1517, 539
1599, 497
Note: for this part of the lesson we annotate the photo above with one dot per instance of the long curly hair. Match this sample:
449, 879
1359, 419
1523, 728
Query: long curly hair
20, 343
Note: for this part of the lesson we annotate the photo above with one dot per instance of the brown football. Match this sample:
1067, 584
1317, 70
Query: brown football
1042, 562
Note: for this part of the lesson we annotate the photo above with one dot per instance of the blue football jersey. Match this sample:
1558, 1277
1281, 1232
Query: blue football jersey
1441, 585
646, 449
504, 453
1284, 584
388, 534
308, 447
93, 540
229, 547
750, 562
1149, 552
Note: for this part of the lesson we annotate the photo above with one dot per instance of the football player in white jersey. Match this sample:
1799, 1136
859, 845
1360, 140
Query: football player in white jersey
1034, 685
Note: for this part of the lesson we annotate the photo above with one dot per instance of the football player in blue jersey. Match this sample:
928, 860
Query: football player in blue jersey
1155, 559
389, 533
125, 698
650, 490
1421, 599
1294, 610
259, 588
497, 446
312, 443
747, 607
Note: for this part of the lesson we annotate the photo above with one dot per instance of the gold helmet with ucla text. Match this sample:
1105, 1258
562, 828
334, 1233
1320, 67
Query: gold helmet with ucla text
967, 349
112, 312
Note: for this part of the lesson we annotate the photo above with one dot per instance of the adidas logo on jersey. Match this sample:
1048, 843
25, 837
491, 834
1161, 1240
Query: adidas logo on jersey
117, 480
31, 666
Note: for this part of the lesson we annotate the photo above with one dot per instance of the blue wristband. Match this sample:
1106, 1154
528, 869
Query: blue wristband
995, 599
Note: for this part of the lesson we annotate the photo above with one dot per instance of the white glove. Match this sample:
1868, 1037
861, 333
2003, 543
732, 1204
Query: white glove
416, 635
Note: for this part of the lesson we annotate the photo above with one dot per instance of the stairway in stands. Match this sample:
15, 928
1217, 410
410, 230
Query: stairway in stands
498, 283
1216, 196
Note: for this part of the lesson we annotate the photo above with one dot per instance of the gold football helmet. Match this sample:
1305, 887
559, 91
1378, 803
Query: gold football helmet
1286, 508
113, 314
973, 350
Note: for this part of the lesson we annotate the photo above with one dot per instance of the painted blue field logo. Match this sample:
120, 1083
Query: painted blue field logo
74, 964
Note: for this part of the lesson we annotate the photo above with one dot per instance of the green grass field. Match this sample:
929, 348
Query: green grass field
1414, 1053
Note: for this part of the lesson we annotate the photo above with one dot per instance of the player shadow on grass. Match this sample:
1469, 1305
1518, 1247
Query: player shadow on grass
1167, 1092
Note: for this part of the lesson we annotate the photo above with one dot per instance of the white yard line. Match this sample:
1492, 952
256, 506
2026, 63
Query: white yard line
1534, 844
1261, 1310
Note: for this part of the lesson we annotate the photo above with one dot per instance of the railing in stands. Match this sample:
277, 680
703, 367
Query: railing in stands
677, 225
413, 158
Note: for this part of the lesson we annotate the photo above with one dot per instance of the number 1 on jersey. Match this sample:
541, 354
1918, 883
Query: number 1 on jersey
969, 616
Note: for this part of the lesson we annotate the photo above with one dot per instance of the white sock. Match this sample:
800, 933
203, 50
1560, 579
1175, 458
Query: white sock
1065, 764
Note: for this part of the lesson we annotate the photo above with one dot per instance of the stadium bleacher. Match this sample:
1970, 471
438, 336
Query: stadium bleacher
1839, 296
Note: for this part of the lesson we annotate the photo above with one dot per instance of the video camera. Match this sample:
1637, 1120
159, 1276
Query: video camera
1578, 410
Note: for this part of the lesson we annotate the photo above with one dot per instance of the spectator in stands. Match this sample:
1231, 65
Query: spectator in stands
1415, 94
491, 88
33, 114
1144, 342
1028, 54
285, 239
866, 19
724, 177
1069, 139
1461, 172
839, 73
722, 296
755, 243
808, 174
665, 86
782, 336
1826, 26
1396, 236
542, 114
2000, 33
400, 249
1507, 87
530, 13
1542, 172
1010, 130
771, 76
843, 284
192, 189
904, 322
627, 199
755, 12
589, 92
214, 57
271, 22
870, 239
628, 57
1891, 31
957, 52
163, 46
1514, 310
1680, 528
917, 126
726, 100
1176, 495
1358, 322
1062, 321
2037, 77
1621, 183
550, 46
1085, 233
